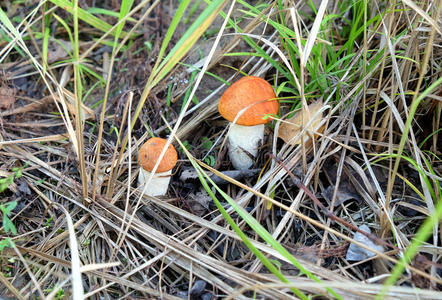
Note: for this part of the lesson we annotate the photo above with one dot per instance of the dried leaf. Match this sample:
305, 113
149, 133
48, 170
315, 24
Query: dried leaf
58, 51
198, 288
7, 98
346, 192
356, 253
293, 126
199, 202
23, 187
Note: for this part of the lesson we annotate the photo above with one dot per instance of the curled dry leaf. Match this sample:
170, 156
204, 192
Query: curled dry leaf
356, 253
291, 128
345, 192
7, 98
198, 288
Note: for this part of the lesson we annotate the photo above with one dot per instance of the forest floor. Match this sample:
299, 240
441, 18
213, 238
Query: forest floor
350, 162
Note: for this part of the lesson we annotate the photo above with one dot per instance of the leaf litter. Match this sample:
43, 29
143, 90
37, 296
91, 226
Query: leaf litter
182, 244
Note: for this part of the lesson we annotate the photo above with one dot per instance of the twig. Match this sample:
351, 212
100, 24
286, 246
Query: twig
327, 213
330, 215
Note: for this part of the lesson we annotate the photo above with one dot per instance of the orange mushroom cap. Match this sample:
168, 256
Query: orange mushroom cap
150, 152
251, 92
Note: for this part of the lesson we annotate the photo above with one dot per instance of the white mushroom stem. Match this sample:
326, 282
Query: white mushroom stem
243, 144
157, 186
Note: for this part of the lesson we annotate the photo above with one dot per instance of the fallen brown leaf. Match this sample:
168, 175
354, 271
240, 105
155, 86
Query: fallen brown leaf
7, 98
292, 127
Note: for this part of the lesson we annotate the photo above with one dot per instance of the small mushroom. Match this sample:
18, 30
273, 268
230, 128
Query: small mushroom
147, 158
244, 104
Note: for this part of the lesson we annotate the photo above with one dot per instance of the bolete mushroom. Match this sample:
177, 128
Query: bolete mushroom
245, 105
147, 158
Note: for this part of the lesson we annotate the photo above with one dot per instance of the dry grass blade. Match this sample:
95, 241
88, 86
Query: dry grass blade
351, 290
116, 50
77, 284
17, 39
186, 257
50, 138
374, 70
30, 273
114, 279
424, 15
123, 231
313, 33
311, 221
10, 287
174, 130
293, 14
27, 108
281, 55
198, 80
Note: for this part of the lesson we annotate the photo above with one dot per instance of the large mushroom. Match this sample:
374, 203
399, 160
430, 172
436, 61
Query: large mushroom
245, 104
147, 158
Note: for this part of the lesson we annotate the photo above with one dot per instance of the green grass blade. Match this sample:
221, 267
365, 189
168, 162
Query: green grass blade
426, 229
68, 31
7, 23
78, 87
252, 222
181, 48
267, 237
188, 39
87, 17
429, 136
126, 5
416, 166
172, 27
420, 237
46, 35
266, 262
102, 11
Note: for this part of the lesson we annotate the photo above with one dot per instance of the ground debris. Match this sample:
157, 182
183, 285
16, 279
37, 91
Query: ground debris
345, 192
191, 174
7, 97
290, 130
198, 288
356, 253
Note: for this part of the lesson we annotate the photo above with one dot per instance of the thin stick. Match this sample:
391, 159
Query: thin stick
331, 216
327, 213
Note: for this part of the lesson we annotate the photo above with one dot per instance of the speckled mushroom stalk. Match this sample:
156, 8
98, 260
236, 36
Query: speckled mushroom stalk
244, 142
247, 98
147, 158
